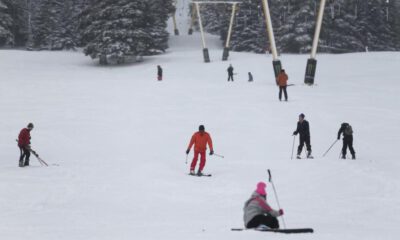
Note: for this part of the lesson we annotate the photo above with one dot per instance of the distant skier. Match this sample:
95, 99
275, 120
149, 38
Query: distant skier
200, 140
159, 73
282, 83
24, 141
347, 131
230, 73
257, 212
250, 77
303, 128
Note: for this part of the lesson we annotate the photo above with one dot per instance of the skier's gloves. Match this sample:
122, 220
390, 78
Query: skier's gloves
281, 212
211, 152
188, 151
295, 133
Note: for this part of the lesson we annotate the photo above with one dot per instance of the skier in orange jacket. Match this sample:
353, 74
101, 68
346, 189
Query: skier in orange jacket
200, 140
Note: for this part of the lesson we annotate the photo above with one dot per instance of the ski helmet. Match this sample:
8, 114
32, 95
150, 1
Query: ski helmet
201, 128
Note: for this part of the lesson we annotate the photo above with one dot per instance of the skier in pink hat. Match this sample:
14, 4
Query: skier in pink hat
257, 212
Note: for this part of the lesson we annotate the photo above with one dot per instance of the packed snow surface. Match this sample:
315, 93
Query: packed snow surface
119, 137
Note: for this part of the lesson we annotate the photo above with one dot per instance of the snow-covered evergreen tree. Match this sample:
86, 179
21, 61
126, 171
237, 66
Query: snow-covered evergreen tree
115, 29
51, 25
348, 25
6, 24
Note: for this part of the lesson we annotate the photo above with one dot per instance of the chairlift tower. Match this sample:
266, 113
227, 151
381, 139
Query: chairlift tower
197, 4
176, 30
312, 61
276, 63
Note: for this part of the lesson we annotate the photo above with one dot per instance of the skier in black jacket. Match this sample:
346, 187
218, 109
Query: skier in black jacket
303, 128
347, 131
159, 73
230, 72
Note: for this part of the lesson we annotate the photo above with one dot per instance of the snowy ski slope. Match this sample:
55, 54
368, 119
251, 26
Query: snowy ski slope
120, 137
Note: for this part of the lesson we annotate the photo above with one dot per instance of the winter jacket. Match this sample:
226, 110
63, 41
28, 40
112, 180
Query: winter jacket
257, 205
230, 70
200, 141
342, 129
282, 79
303, 128
24, 138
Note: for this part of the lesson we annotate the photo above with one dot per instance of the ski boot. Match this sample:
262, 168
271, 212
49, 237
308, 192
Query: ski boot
309, 156
199, 173
353, 156
21, 163
26, 164
343, 156
262, 227
298, 156
192, 172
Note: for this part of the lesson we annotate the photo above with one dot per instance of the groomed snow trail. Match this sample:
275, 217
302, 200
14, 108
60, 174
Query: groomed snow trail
120, 139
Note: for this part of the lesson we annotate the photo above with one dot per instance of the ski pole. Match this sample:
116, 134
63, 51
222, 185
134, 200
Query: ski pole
330, 147
294, 140
41, 161
276, 195
186, 158
217, 155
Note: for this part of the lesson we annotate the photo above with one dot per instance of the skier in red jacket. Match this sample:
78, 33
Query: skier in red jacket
200, 140
24, 141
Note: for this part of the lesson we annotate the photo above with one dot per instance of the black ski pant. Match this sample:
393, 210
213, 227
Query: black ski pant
230, 77
24, 153
267, 220
284, 91
348, 142
304, 140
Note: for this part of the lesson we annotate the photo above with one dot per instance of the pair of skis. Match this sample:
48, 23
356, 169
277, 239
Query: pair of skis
286, 231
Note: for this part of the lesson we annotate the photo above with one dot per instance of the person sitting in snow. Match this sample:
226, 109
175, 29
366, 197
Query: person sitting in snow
200, 140
250, 77
257, 212
24, 141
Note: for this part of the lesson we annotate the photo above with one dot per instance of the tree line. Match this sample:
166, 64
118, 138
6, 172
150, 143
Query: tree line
108, 30
348, 25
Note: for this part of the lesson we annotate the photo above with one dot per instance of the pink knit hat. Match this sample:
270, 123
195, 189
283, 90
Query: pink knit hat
261, 188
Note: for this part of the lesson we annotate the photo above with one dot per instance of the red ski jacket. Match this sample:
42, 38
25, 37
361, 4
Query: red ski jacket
24, 138
200, 141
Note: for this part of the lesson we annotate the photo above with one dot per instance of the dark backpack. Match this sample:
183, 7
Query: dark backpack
348, 130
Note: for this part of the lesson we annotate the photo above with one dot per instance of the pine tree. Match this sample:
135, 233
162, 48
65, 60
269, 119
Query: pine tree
51, 27
6, 25
115, 29
249, 32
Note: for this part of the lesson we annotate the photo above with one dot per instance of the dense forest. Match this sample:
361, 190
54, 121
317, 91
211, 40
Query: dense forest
106, 29
110, 30
348, 26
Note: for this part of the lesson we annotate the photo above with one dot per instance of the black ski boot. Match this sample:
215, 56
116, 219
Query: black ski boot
199, 173
353, 156
21, 163
343, 156
26, 164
